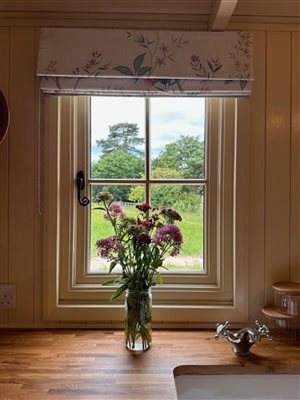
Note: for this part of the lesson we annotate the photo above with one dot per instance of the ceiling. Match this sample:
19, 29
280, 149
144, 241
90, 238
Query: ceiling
213, 11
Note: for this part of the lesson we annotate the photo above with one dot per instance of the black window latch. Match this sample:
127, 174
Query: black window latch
83, 201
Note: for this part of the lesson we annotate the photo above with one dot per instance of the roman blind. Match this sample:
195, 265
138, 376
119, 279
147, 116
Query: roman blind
146, 63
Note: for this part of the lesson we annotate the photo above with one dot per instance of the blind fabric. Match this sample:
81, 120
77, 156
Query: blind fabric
146, 63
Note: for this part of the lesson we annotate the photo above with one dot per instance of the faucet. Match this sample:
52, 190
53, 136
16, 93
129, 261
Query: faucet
244, 338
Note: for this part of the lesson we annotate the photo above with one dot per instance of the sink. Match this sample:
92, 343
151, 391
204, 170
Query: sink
238, 382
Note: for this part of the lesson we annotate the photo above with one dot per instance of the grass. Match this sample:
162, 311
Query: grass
191, 227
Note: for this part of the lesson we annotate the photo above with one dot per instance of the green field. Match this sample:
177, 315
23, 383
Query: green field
191, 227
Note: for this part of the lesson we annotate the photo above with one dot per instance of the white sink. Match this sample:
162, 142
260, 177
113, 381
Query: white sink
261, 386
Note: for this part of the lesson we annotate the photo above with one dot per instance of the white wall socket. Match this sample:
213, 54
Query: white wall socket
7, 296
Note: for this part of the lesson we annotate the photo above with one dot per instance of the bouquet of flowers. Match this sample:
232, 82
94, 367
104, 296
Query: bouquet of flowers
139, 245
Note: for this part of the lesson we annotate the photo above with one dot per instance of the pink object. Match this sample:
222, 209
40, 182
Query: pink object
4, 117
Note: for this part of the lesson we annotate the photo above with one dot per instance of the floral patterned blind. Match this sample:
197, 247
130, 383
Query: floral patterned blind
151, 63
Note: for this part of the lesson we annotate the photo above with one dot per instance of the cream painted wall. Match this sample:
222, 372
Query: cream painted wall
274, 234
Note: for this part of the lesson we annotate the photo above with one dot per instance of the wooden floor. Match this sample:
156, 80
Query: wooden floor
94, 364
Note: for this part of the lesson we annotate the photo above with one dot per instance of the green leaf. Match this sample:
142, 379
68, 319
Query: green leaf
219, 67
111, 282
138, 61
124, 70
144, 70
112, 266
118, 292
210, 65
243, 84
159, 278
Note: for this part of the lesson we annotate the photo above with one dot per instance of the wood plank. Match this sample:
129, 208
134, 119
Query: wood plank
268, 8
4, 201
221, 13
295, 160
275, 313
103, 20
256, 278
130, 6
291, 288
22, 171
94, 364
277, 200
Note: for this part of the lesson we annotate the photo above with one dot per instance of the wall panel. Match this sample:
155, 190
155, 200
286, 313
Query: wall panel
274, 191
4, 87
277, 190
257, 178
22, 171
295, 160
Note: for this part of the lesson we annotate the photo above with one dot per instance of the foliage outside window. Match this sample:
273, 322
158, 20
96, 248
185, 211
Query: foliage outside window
158, 149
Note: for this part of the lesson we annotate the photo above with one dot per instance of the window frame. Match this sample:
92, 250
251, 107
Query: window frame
74, 295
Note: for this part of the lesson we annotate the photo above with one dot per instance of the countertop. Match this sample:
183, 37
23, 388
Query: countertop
94, 364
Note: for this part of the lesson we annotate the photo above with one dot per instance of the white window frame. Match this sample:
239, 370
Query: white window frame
71, 294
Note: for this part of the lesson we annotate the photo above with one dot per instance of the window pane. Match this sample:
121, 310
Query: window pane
177, 138
100, 228
117, 137
188, 200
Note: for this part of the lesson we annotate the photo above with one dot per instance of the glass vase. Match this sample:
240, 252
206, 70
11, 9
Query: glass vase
138, 329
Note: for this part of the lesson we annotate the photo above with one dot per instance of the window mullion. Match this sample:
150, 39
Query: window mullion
144, 181
147, 149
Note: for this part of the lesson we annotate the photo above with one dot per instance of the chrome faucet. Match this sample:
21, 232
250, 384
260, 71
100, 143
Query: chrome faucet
244, 338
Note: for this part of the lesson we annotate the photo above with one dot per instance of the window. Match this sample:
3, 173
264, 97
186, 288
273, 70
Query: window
150, 150
140, 153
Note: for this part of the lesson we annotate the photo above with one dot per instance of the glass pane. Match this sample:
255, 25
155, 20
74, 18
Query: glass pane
177, 138
188, 201
101, 228
117, 137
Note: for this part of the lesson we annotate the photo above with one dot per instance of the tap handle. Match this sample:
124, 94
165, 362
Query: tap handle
263, 330
222, 329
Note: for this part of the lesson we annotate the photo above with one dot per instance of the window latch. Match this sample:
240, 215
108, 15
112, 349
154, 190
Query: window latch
83, 201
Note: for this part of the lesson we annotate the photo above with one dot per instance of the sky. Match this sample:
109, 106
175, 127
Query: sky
169, 118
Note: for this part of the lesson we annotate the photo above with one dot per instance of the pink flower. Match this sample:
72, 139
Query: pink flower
108, 246
194, 58
116, 210
92, 62
169, 235
146, 224
143, 207
216, 62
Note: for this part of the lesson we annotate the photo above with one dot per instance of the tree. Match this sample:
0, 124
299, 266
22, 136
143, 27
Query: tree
161, 195
122, 136
185, 155
117, 165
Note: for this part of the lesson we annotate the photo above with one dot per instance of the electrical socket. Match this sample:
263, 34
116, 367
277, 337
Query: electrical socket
7, 296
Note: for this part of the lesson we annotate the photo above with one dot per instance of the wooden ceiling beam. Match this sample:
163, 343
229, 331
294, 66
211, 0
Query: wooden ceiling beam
221, 13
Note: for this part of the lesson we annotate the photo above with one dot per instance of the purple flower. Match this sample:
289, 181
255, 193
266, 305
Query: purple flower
143, 238
108, 246
169, 235
143, 207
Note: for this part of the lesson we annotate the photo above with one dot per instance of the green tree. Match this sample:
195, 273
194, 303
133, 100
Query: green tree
185, 156
161, 195
117, 165
122, 136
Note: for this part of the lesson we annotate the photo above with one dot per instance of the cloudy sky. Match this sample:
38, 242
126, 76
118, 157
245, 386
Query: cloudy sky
170, 118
